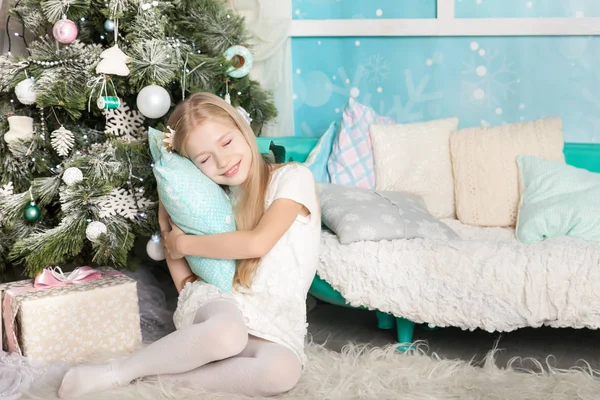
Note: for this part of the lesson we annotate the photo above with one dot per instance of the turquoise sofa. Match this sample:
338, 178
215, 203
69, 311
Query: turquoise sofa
582, 155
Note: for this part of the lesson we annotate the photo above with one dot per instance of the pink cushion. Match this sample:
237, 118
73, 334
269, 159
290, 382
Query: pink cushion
351, 160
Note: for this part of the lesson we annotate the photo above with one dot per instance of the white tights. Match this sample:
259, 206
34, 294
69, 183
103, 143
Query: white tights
214, 354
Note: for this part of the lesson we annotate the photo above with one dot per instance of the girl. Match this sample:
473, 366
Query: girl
249, 341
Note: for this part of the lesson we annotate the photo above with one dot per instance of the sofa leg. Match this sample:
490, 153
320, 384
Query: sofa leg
384, 320
405, 329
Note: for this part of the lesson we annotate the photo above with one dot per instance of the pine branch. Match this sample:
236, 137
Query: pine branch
55, 9
212, 26
151, 63
147, 25
10, 68
69, 94
30, 14
118, 7
113, 247
12, 166
75, 56
20, 229
54, 246
101, 165
177, 44
44, 190
6, 243
205, 73
82, 198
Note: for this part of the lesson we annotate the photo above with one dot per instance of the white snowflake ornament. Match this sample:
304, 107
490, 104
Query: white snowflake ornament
124, 123
94, 230
122, 202
62, 141
72, 176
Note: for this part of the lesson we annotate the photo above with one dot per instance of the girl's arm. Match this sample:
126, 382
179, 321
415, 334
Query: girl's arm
180, 272
179, 269
239, 245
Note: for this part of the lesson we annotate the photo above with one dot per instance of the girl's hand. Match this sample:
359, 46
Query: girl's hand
172, 240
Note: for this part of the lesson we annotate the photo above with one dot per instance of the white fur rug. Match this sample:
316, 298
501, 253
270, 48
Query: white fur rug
486, 280
380, 373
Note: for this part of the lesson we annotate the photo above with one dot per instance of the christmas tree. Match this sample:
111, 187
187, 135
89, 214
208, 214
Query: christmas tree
76, 180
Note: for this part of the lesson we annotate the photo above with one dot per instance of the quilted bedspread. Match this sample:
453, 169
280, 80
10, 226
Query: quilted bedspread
487, 280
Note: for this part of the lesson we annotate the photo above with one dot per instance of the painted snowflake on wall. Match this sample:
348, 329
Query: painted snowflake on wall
411, 108
376, 69
489, 77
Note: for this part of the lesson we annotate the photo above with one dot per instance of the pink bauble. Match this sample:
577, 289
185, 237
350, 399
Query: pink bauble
65, 31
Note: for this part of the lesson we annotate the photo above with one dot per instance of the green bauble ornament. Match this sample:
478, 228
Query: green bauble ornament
32, 213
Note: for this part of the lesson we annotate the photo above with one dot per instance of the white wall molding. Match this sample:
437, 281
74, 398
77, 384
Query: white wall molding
445, 9
446, 25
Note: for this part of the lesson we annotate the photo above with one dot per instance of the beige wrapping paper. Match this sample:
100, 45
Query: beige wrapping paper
73, 321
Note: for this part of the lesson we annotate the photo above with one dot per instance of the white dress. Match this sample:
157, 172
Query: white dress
274, 308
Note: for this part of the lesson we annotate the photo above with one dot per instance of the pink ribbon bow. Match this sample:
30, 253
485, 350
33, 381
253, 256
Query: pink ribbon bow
51, 277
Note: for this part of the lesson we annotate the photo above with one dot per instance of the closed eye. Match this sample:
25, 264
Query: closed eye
204, 160
227, 144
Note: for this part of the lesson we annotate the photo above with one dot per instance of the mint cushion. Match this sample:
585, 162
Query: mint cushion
318, 157
557, 199
196, 204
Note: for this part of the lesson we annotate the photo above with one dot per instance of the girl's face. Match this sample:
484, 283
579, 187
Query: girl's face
220, 151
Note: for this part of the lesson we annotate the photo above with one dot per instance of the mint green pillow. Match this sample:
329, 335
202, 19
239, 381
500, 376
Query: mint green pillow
557, 199
196, 204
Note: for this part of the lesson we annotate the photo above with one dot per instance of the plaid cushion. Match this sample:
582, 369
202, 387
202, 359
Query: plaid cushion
351, 160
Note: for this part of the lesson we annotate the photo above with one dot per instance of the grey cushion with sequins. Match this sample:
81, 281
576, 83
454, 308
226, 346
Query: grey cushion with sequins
356, 214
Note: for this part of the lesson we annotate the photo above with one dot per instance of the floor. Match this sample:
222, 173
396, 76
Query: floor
335, 326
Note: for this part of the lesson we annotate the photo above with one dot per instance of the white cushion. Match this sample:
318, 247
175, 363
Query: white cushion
416, 158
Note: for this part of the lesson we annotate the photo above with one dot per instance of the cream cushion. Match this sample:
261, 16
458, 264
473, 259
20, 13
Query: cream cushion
484, 161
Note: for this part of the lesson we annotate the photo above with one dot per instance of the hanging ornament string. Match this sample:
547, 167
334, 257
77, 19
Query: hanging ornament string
116, 32
101, 80
56, 116
32, 212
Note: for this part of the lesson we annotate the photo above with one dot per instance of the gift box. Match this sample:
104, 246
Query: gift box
70, 318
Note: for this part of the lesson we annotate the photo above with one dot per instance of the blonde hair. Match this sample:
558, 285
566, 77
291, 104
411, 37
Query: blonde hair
250, 202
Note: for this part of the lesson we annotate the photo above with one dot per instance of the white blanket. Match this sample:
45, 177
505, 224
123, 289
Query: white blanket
487, 280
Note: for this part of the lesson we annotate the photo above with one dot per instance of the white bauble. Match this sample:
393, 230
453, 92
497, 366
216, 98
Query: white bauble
72, 176
153, 101
25, 91
155, 248
94, 230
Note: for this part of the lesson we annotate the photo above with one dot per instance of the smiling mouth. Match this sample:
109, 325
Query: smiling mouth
232, 171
